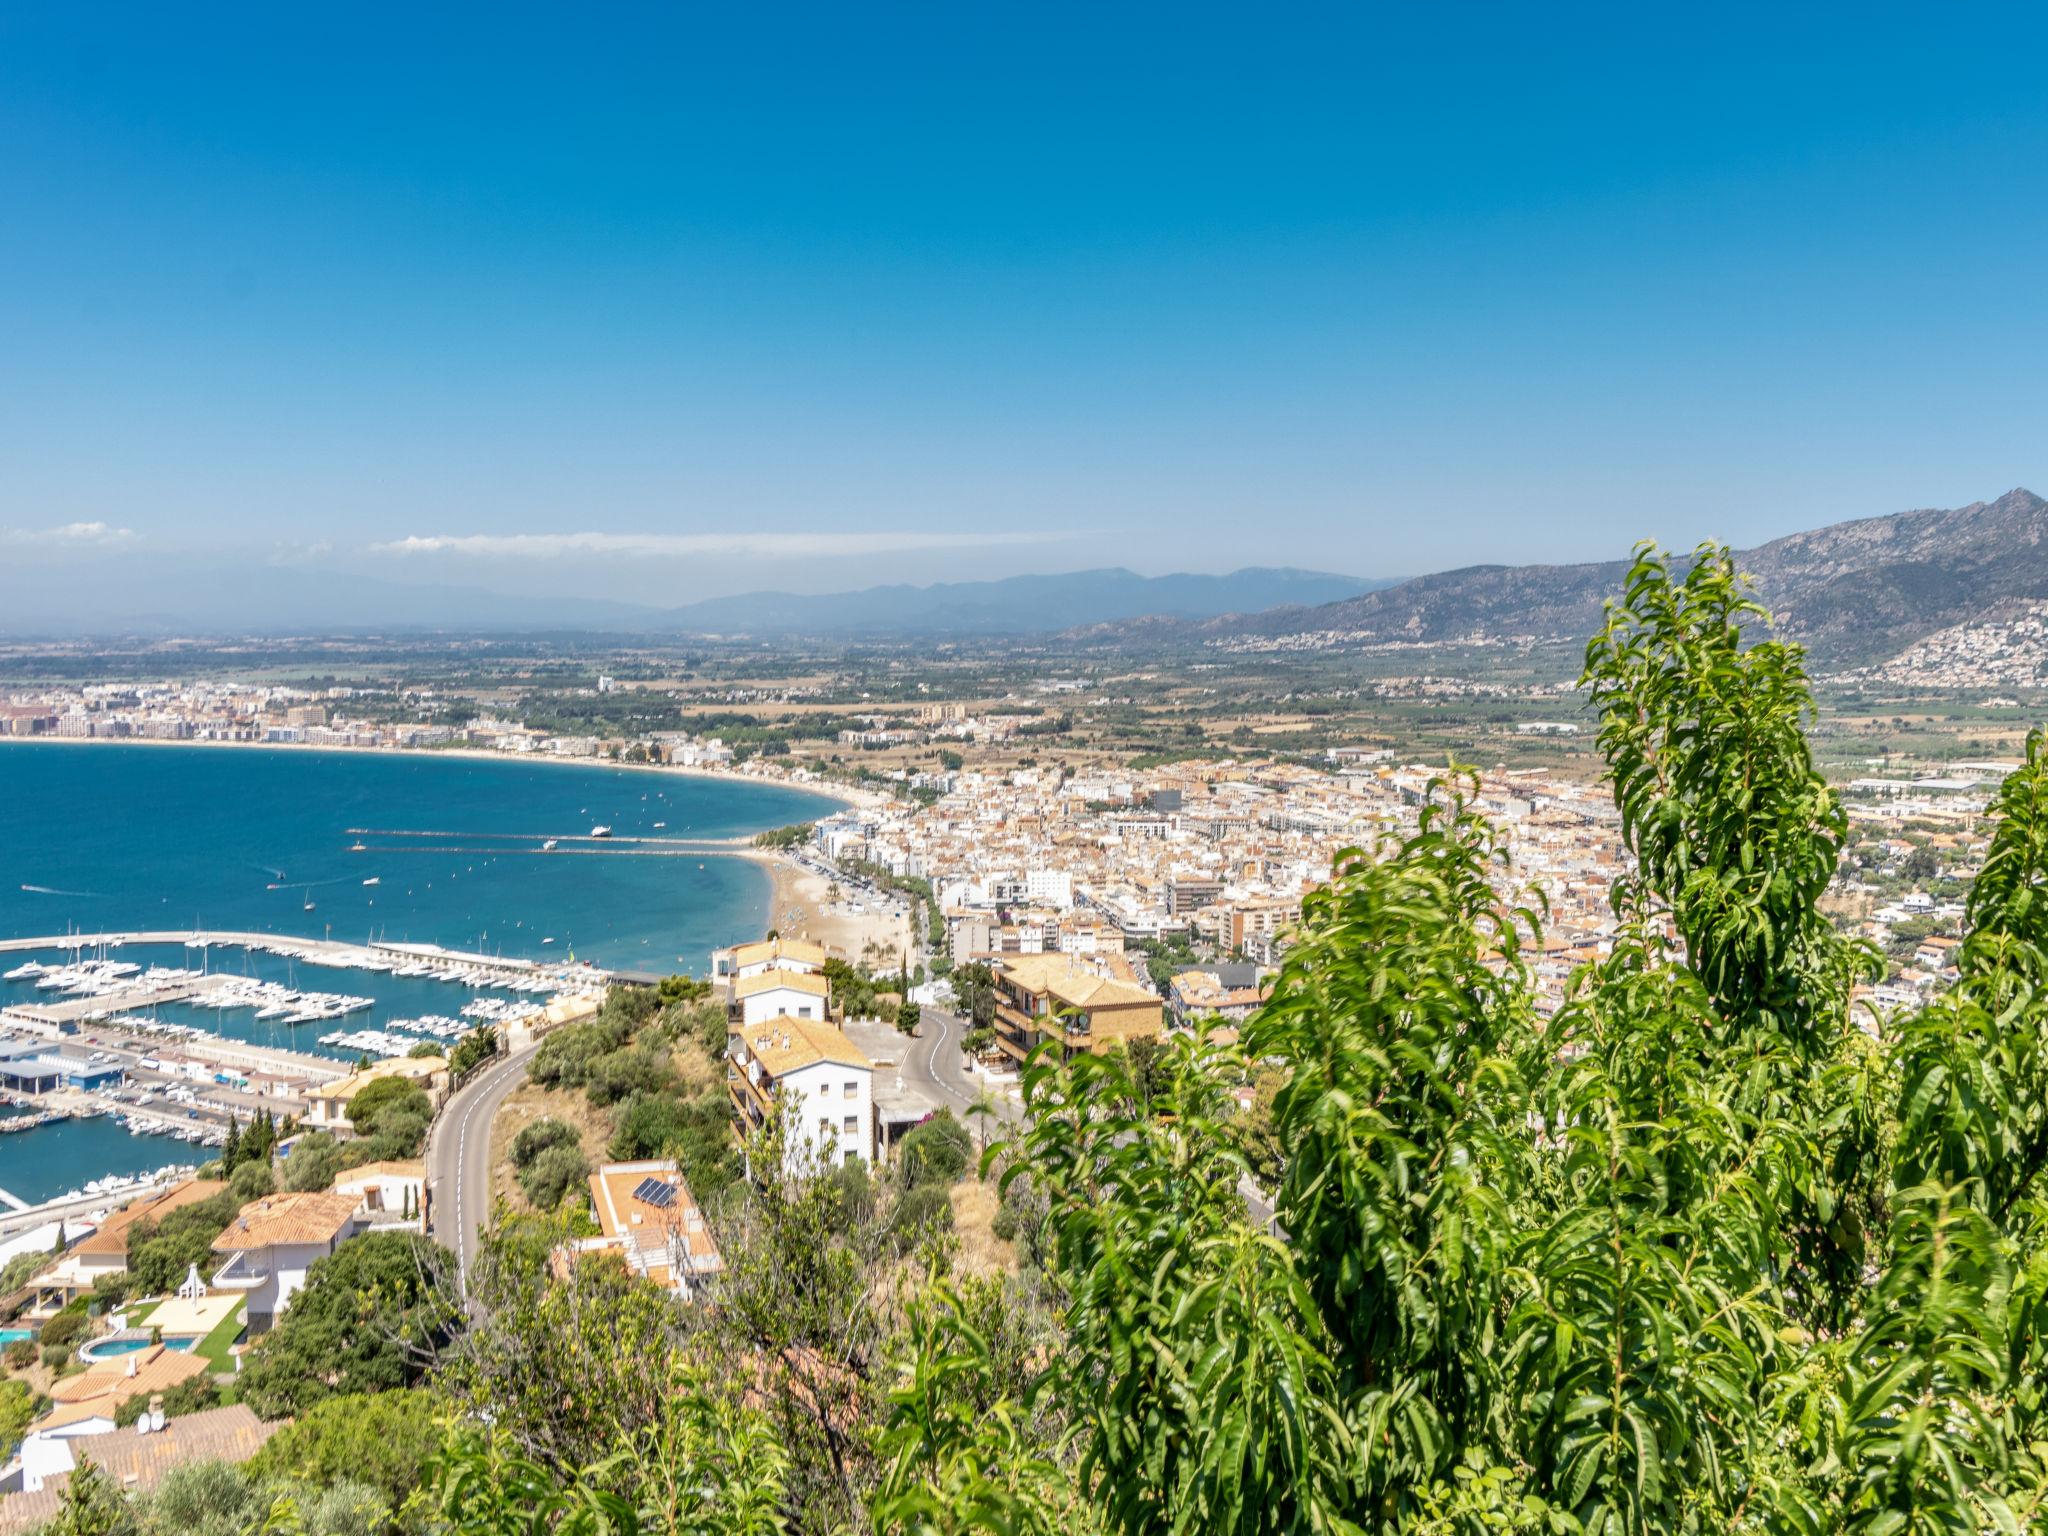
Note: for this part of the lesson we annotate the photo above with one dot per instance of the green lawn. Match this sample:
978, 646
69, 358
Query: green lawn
214, 1347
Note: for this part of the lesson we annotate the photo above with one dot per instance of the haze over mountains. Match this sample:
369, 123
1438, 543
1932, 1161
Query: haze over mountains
1853, 592
134, 592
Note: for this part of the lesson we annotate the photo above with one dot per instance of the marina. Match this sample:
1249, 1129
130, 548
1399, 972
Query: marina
165, 862
163, 1036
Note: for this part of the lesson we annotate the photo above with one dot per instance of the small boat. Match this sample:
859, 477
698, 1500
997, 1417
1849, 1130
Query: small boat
659, 825
309, 904
358, 846
374, 880
600, 830
549, 845
547, 941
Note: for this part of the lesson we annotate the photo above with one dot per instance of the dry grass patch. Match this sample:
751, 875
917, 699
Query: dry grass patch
529, 1103
974, 1212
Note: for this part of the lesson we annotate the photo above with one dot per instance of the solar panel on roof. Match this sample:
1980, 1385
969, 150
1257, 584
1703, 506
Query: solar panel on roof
658, 1192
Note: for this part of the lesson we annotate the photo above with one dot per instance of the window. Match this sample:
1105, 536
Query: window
852, 1124
804, 1012
853, 1090
824, 1128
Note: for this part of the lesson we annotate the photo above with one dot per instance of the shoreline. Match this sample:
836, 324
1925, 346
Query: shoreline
796, 890
847, 796
789, 887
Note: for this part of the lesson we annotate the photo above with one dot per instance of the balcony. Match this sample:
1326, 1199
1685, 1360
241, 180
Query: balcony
244, 1272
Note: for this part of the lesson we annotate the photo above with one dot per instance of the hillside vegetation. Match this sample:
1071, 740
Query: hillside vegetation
1706, 1251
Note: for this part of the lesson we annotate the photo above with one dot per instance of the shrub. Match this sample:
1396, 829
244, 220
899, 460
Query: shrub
390, 1103
314, 1160
623, 1073
936, 1152
252, 1181
206, 1498
536, 1138
384, 1439
477, 1046
552, 1175
369, 1318
920, 1209
647, 1126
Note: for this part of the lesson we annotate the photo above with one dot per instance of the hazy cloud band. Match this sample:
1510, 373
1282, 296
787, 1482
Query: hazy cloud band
69, 534
744, 545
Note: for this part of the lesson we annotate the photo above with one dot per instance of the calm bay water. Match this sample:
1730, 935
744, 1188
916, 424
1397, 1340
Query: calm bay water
100, 837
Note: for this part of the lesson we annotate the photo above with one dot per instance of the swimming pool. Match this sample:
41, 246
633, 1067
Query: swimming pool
128, 1343
16, 1335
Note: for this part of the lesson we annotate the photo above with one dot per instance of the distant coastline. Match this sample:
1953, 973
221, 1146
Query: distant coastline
847, 796
789, 885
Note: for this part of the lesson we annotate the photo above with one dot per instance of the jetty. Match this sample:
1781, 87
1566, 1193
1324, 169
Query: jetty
371, 955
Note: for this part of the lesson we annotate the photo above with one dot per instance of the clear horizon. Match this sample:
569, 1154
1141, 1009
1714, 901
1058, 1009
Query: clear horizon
692, 304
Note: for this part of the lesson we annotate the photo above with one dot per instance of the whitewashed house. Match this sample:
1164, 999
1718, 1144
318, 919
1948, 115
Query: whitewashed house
273, 1241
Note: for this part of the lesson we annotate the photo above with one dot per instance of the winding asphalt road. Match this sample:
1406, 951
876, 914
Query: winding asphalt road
459, 1156
935, 1061
459, 1149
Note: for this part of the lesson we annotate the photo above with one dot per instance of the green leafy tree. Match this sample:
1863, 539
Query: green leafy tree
370, 1318
389, 1440
935, 1152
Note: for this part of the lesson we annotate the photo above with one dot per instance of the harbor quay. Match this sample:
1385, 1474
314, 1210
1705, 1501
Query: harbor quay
100, 1049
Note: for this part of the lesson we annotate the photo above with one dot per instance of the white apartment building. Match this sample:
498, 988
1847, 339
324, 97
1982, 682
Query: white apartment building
1049, 888
824, 1081
777, 954
780, 994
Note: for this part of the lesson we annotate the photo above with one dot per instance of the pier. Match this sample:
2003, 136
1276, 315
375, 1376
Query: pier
373, 955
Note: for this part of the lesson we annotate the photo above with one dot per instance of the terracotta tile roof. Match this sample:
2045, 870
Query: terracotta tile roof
652, 1238
311, 1217
139, 1462
1059, 976
787, 1044
406, 1168
421, 1069
768, 981
803, 951
100, 1389
112, 1236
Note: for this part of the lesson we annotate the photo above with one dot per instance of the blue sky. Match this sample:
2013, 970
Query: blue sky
659, 302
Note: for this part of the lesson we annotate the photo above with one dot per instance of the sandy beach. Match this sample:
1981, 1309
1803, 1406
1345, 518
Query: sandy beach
803, 907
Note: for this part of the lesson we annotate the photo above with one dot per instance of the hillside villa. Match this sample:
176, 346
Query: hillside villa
271, 1244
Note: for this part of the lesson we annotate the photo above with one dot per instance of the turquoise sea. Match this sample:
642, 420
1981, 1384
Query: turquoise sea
101, 837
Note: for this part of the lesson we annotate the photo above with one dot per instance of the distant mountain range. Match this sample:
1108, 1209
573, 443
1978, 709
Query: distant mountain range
1854, 592
1015, 604
1857, 593
136, 593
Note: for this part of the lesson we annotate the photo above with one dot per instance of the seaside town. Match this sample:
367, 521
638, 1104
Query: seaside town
1183, 879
